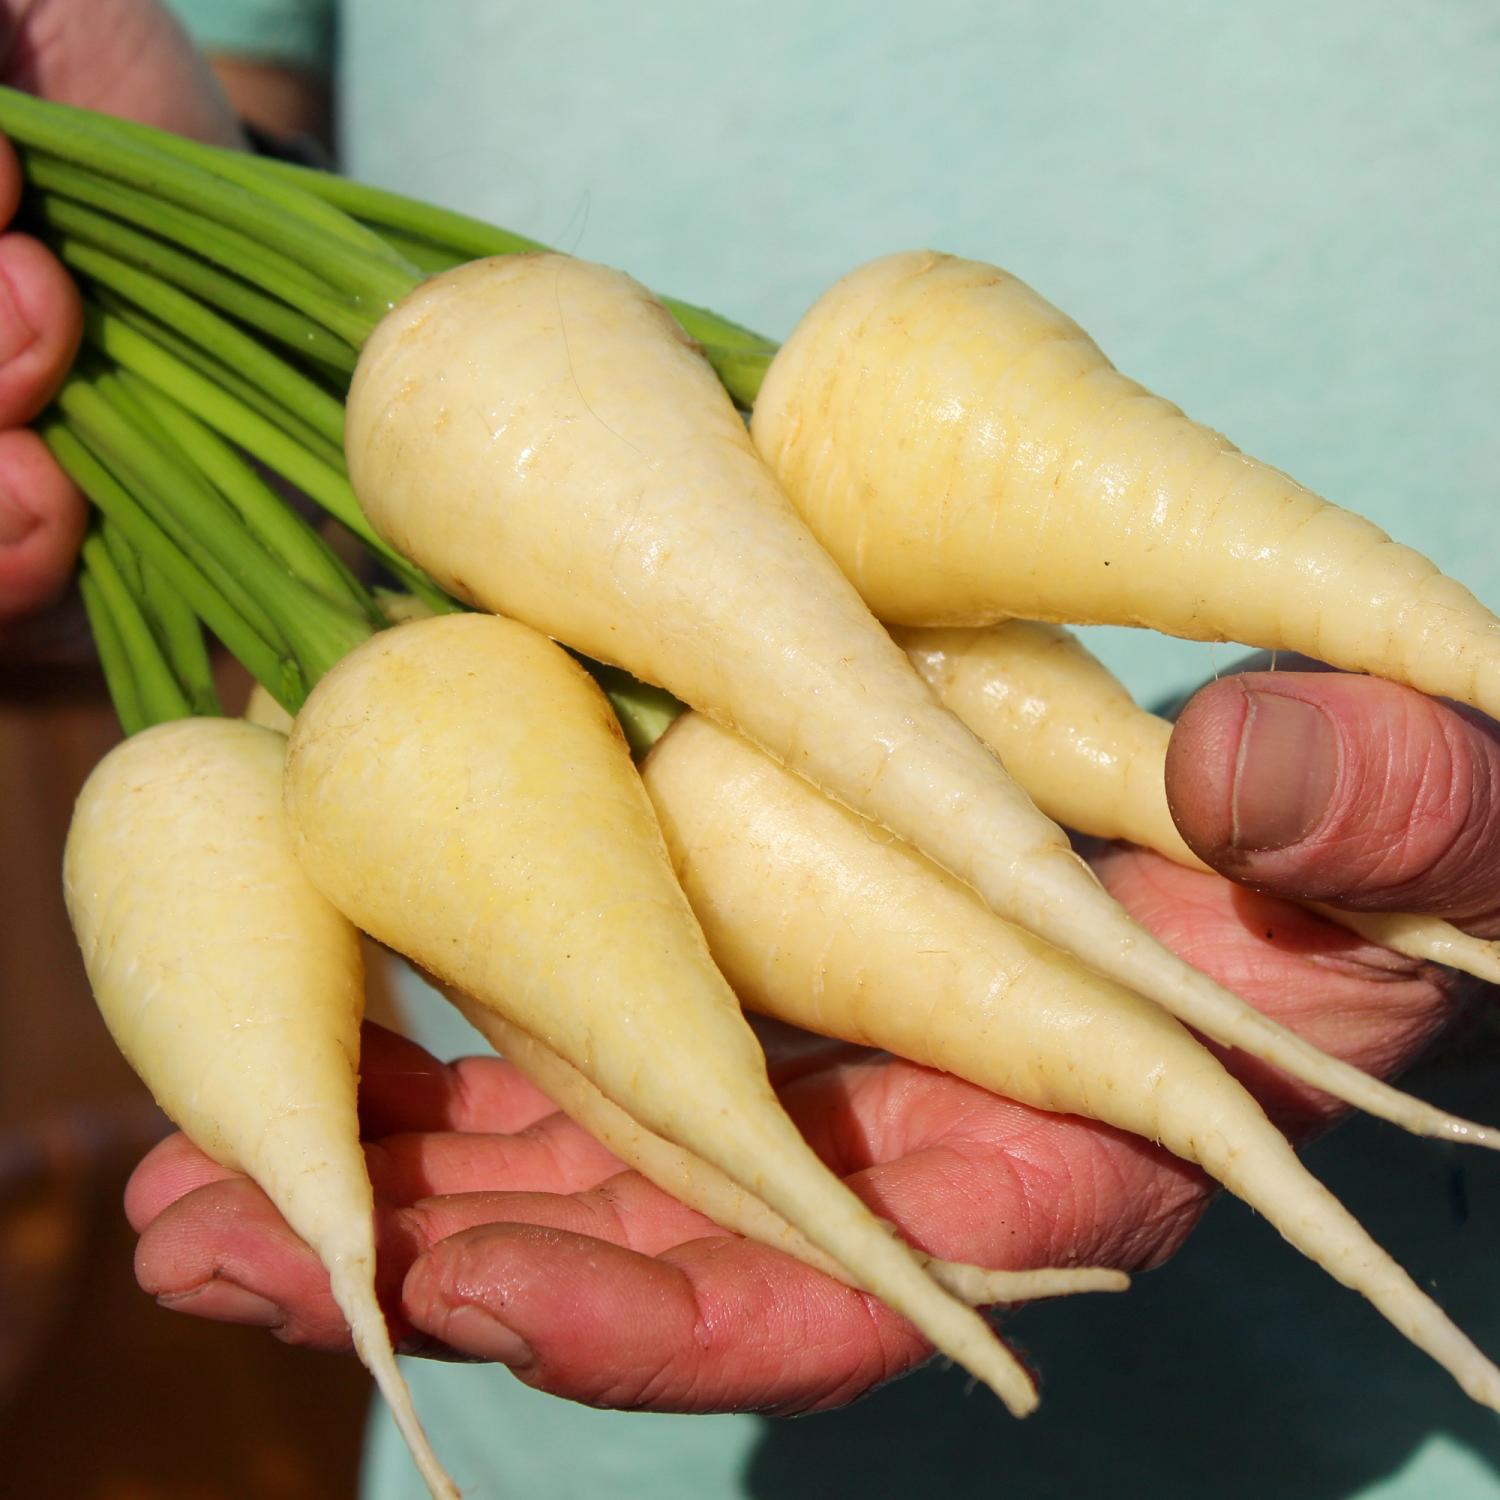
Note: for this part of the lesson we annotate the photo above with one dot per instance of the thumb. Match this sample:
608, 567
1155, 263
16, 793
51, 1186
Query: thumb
1328, 787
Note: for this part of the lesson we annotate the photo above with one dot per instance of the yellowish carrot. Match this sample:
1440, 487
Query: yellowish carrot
460, 789
1093, 760
818, 920
968, 454
538, 435
235, 991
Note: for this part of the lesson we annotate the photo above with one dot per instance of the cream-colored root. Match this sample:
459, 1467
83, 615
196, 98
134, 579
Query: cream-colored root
818, 920
513, 854
967, 454
1313, 1220
235, 991
589, 476
353, 1291
701, 1186
1093, 760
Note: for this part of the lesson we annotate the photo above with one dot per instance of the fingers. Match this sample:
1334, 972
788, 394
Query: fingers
42, 518
41, 322
553, 1285
173, 1168
718, 1324
1360, 1002
1344, 789
403, 1087
223, 1252
612, 1292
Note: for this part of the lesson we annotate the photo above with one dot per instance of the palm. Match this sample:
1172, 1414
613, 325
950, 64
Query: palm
626, 1298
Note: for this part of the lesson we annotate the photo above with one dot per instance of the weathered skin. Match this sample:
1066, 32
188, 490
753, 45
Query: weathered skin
818, 920
460, 789
235, 990
537, 434
1094, 760
693, 1181
967, 454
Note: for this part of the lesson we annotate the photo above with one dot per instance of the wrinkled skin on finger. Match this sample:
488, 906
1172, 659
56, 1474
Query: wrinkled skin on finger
508, 1235
1329, 787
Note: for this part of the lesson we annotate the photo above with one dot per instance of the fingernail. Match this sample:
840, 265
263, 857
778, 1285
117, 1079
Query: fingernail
1284, 774
16, 334
226, 1302
474, 1331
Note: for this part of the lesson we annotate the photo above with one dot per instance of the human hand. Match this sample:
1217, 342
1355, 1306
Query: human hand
1317, 785
506, 1234
126, 57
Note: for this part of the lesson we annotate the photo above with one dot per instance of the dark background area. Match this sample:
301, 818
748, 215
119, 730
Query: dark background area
104, 1395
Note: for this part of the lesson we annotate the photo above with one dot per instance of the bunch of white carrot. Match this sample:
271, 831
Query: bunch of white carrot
539, 439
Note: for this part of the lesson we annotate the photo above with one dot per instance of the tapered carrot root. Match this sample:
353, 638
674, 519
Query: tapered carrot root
817, 920
235, 991
693, 1181
967, 454
1093, 760
460, 789
538, 435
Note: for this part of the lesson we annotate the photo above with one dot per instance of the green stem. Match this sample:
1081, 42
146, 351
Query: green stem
428, 257
102, 305
236, 253
245, 169
158, 695
423, 232
247, 429
267, 516
275, 669
123, 693
176, 498
318, 629
181, 637
382, 209
193, 321
272, 667
645, 712
251, 307
155, 163
173, 624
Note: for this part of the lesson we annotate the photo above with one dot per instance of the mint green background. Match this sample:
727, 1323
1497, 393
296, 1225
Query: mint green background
1282, 215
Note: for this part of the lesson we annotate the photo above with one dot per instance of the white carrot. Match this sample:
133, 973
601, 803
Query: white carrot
967, 453
538, 435
460, 789
693, 1181
1093, 760
235, 991
819, 921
